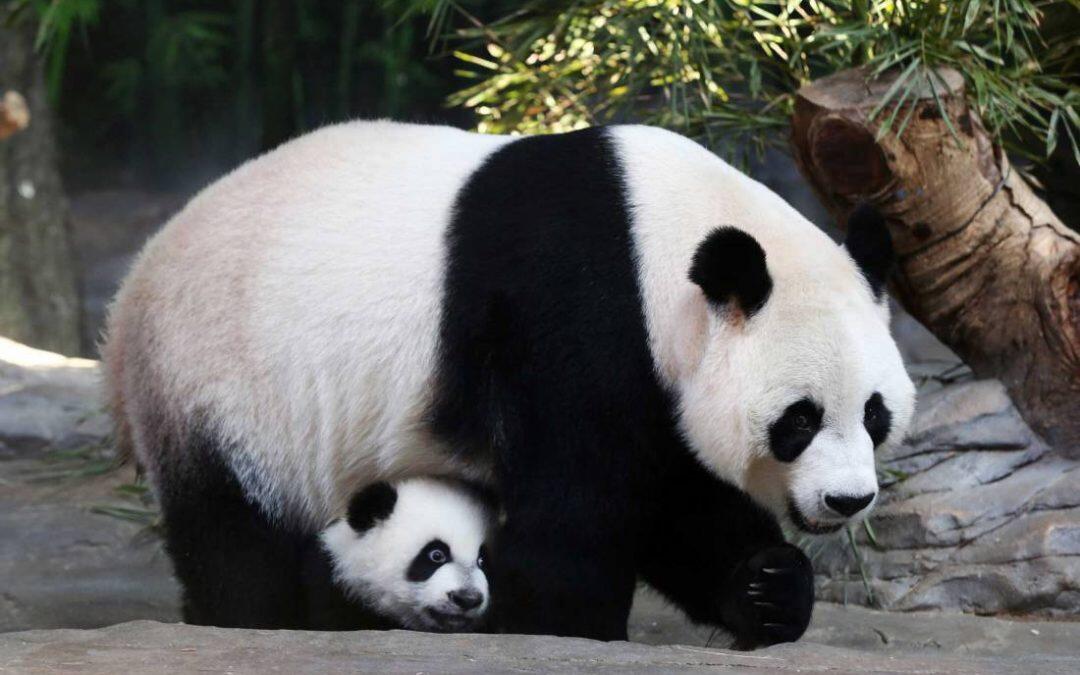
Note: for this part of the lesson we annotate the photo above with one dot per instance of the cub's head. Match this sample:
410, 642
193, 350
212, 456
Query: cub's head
790, 379
414, 551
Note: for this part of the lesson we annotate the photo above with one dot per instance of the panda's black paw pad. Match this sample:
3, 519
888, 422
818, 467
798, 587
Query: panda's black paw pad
773, 596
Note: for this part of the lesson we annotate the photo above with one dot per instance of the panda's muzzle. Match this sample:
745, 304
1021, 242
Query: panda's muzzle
804, 524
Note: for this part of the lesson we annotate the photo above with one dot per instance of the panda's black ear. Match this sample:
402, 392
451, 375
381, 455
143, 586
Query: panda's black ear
729, 265
870, 245
370, 505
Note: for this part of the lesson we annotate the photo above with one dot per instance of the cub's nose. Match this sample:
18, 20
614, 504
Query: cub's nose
466, 599
847, 505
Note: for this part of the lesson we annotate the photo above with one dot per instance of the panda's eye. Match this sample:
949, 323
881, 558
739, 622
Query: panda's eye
877, 419
795, 429
802, 423
481, 558
437, 556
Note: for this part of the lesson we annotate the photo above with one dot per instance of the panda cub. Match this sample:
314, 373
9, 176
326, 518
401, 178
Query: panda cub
409, 554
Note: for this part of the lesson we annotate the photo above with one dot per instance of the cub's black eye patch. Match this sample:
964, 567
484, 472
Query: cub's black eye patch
792, 432
434, 555
877, 419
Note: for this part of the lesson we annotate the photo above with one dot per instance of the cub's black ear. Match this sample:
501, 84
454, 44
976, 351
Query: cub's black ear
870, 245
370, 505
729, 265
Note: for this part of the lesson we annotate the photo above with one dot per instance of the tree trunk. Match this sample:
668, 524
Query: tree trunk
38, 300
983, 262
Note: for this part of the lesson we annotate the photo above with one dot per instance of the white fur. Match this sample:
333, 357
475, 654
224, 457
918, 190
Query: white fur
297, 303
371, 566
821, 334
298, 299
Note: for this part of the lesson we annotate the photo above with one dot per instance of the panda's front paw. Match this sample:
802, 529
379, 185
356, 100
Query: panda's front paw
770, 597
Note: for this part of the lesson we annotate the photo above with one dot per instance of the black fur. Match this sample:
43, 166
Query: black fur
425, 563
730, 265
870, 245
237, 567
545, 368
771, 597
706, 551
877, 419
370, 505
793, 431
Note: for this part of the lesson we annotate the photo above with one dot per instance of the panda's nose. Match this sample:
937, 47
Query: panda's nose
847, 505
466, 599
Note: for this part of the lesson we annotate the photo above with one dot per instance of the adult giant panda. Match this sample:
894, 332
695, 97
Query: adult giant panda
652, 357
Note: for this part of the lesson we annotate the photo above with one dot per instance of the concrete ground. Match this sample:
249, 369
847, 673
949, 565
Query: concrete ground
150, 647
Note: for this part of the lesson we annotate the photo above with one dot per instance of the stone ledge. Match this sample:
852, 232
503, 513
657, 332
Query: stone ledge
150, 647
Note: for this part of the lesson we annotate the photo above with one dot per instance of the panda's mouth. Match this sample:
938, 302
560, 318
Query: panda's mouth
448, 621
807, 525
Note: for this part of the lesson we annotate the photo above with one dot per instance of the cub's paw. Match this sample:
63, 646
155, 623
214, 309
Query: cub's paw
770, 597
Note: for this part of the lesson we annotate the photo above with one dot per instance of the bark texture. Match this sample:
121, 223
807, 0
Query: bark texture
14, 115
983, 262
38, 300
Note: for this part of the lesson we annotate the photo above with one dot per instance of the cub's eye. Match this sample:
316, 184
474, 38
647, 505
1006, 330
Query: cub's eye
802, 423
437, 556
481, 558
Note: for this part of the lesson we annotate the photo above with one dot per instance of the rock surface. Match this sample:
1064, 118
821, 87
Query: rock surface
63, 562
148, 647
977, 515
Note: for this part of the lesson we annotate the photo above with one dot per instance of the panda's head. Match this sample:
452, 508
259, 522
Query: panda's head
413, 551
791, 380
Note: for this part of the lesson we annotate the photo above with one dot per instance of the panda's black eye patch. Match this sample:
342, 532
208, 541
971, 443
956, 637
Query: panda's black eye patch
792, 432
482, 557
877, 419
434, 555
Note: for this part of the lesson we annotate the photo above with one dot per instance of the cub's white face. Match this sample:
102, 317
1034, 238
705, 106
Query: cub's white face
790, 400
423, 565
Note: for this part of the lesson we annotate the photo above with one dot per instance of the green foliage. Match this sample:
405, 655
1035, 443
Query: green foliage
179, 88
57, 21
725, 71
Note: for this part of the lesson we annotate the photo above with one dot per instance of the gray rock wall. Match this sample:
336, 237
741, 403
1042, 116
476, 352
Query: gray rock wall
976, 513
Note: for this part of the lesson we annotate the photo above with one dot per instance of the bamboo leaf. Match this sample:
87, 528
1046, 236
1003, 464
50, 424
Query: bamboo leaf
896, 85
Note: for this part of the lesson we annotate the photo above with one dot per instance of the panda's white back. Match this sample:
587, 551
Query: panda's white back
297, 301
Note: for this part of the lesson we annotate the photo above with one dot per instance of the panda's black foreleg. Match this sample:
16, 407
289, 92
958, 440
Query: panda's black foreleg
235, 566
723, 560
562, 565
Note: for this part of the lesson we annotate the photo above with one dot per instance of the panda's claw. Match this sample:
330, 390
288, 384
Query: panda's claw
778, 571
775, 596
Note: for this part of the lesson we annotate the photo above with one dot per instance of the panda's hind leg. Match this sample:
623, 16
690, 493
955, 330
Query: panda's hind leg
237, 567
